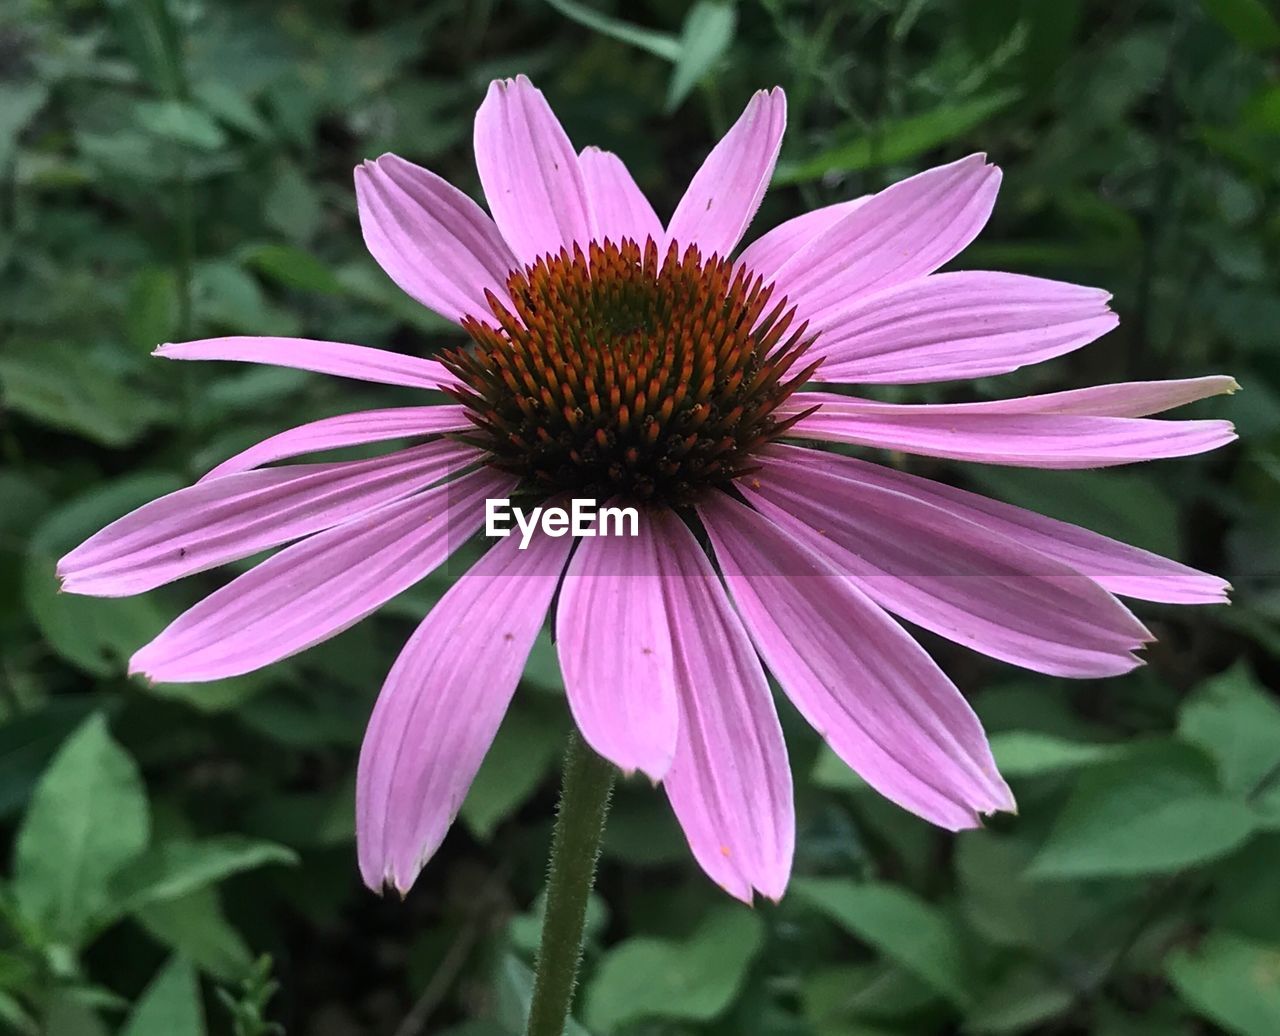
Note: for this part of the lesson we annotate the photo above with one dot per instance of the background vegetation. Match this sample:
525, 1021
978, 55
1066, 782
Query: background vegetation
174, 169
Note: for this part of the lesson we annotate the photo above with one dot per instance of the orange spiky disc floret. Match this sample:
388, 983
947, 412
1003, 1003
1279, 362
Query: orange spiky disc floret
623, 375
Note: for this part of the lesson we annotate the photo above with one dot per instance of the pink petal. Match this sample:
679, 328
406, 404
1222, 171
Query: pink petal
958, 325
530, 172
948, 574
726, 191
229, 518
976, 432
317, 588
613, 636
619, 208
331, 433
336, 358
1124, 399
430, 238
442, 704
730, 783
1116, 566
906, 231
877, 698
771, 249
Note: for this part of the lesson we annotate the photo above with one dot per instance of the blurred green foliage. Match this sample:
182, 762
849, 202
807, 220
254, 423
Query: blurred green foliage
182, 857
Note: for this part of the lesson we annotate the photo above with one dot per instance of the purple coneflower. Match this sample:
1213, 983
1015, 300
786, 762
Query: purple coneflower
618, 358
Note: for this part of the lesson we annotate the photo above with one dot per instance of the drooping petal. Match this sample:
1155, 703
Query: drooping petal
337, 358
1123, 399
1016, 438
726, 191
958, 325
530, 172
613, 636
442, 704
619, 208
355, 429
430, 238
225, 519
906, 231
949, 575
730, 783
317, 588
1118, 567
774, 247
878, 699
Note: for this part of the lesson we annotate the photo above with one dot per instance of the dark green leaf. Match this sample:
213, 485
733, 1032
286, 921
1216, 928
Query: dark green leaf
1249, 21
180, 123
660, 44
898, 141
707, 33
88, 818
169, 1006
293, 268
690, 980
525, 751
177, 868
1156, 812
1232, 981
903, 927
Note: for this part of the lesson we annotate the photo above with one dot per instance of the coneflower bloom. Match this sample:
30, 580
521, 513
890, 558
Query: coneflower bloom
617, 358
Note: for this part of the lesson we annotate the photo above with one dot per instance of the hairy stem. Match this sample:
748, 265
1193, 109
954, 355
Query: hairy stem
575, 846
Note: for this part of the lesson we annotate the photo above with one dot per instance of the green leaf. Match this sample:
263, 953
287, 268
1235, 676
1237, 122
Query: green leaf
151, 37
1246, 897
524, 752
177, 868
76, 391
877, 991
292, 205
1155, 813
1023, 998
513, 989
1029, 753
226, 296
68, 1016
1248, 21
1130, 506
1007, 910
363, 280
88, 818
19, 103
180, 123
95, 635
525, 930
1232, 981
152, 315
898, 141
170, 1005
485, 1029
707, 33
15, 1016
194, 926
28, 741
660, 44
695, 979
833, 773
293, 268
900, 925
1238, 723
543, 668
231, 106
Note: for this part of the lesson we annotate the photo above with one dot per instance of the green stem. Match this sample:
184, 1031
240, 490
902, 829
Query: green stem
575, 846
